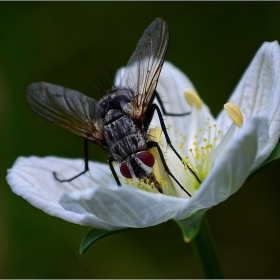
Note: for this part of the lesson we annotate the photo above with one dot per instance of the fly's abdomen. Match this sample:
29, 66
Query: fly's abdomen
124, 138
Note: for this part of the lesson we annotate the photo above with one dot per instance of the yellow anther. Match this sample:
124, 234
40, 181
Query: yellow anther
193, 98
147, 181
152, 184
197, 156
234, 113
160, 178
194, 143
205, 139
142, 180
196, 149
219, 131
215, 138
208, 119
195, 137
165, 183
215, 125
210, 127
200, 130
202, 148
190, 150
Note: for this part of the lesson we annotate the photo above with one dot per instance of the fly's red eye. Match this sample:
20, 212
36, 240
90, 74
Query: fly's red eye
125, 171
146, 158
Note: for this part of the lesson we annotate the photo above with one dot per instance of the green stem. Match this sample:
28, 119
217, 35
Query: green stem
205, 251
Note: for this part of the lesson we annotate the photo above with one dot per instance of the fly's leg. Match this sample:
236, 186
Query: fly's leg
83, 172
156, 145
110, 161
164, 111
151, 112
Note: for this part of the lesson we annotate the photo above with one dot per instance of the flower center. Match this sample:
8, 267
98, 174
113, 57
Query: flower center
203, 143
199, 155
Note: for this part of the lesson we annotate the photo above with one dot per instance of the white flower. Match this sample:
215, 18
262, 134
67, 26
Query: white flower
227, 159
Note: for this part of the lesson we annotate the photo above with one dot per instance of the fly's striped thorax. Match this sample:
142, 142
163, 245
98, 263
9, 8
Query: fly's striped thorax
123, 136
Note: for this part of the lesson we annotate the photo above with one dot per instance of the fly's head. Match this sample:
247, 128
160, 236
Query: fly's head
139, 166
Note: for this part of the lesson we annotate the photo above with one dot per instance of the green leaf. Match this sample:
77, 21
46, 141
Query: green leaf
94, 235
191, 225
272, 159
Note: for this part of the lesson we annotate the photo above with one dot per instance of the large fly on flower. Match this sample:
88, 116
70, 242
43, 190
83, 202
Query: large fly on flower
119, 122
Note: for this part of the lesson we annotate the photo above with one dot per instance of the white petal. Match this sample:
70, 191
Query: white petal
232, 168
126, 207
171, 86
32, 179
258, 94
92, 199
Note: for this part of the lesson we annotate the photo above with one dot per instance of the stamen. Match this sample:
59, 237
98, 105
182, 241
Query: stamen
193, 98
224, 141
234, 113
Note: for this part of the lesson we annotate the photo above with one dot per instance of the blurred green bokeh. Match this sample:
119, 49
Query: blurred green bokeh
78, 45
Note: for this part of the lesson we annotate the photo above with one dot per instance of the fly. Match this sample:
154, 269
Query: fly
119, 121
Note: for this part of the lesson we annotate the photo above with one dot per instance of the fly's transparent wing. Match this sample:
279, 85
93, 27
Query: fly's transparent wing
66, 108
143, 68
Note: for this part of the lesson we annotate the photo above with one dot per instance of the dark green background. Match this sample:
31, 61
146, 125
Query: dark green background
77, 45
